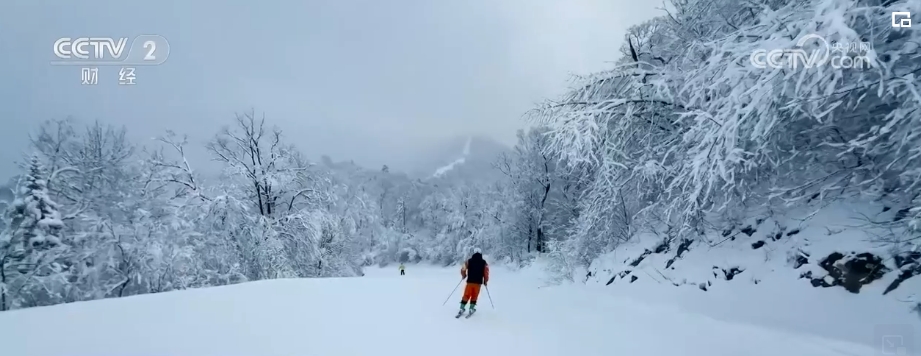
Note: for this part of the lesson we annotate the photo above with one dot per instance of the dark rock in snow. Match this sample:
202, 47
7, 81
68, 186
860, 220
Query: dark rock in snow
854, 273
901, 214
639, 259
683, 247
777, 236
906, 274
748, 230
702, 287
793, 232
904, 259
800, 261
886, 208
727, 232
662, 247
621, 274
828, 263
910, 263
758, 244
633, 279
732, 272
820, 282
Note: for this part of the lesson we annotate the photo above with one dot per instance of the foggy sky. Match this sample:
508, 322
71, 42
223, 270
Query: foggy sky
369, 80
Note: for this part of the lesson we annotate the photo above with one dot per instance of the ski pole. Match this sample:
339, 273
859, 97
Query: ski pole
452, 291
490, 297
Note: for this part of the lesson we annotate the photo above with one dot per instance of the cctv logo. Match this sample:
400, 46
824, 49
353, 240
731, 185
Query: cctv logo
101, 48
904, 19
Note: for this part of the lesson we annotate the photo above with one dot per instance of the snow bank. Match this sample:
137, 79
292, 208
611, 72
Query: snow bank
763, 272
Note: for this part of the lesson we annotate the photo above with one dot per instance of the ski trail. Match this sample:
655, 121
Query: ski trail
390, 314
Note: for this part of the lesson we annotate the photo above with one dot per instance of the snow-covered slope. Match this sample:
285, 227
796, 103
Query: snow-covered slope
468, 158
385, 314
778, 269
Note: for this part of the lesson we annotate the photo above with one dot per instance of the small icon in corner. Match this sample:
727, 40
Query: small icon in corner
904, 19
126, 76
89, 76
894, 345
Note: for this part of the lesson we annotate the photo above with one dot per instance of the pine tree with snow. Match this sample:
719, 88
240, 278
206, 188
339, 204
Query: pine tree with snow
31, 244
36, 220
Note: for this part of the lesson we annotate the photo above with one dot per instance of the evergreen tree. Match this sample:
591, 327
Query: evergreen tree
30, 247
36, 220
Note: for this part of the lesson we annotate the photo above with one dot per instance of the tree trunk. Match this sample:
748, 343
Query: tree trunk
540, 240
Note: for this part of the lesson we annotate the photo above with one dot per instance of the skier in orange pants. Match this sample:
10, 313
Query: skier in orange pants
476, 271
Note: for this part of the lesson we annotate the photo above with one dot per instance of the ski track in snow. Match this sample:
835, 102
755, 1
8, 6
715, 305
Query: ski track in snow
386, 314
441, 171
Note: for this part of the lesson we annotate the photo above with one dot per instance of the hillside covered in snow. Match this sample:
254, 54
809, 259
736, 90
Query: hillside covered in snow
470, 159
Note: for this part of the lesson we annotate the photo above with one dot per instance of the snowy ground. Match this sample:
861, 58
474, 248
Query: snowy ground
385, 314
769, 291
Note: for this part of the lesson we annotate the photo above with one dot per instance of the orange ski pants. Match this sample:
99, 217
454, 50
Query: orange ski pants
471, 292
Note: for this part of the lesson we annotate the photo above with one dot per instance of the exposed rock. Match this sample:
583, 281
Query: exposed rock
749, 230
662, 247
901, 214
910, 263
851, 273
800, 259
683, 247
621, 274
729, 274
904, 259
639, 259
906, 274
777, 236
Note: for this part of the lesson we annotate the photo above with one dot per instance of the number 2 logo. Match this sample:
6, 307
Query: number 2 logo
151, 47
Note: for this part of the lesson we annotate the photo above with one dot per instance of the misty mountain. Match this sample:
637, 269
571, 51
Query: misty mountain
463, 158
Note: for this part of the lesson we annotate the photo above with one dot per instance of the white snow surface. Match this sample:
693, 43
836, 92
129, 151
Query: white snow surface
780, 299
386, 314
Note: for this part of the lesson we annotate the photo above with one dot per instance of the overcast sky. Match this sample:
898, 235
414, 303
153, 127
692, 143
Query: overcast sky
367, 80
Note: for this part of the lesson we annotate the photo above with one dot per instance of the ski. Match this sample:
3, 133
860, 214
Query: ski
461, 313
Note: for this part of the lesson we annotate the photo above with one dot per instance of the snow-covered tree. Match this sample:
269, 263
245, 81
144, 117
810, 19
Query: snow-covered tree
685, 129
34, 246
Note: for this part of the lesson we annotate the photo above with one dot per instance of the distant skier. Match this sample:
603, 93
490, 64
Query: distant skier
402, 269
476, 271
